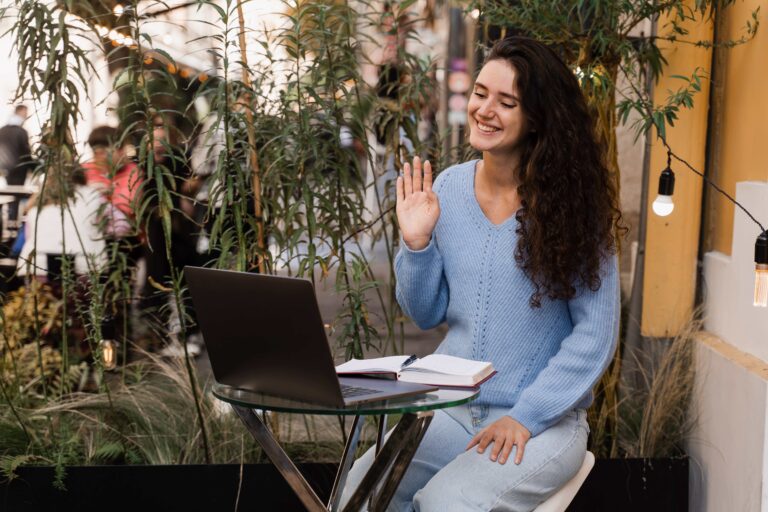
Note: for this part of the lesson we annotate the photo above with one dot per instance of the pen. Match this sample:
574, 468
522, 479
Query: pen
409, 361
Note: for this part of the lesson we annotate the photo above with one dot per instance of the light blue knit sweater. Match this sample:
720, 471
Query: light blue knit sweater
547, 358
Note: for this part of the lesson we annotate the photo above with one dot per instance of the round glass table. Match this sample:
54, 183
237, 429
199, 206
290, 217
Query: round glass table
392, 457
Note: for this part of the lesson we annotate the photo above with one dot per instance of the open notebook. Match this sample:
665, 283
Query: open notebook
435, 369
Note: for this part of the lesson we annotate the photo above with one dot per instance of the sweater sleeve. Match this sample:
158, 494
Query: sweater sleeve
421, 289
583, 356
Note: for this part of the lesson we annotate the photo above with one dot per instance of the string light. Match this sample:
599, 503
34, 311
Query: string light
663, 205
108, 345
116, 38
761, 270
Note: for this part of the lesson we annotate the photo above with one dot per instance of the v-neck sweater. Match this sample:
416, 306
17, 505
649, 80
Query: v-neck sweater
547, 358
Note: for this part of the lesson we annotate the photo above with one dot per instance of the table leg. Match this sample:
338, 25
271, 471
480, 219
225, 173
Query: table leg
380, 433
280, 459
382, 430
398, 452
346, 463
382, 499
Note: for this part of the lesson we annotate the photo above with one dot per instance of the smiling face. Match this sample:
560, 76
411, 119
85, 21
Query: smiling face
497, 123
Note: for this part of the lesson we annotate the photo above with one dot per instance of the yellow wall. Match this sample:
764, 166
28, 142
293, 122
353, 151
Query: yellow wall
672, 242
742, 137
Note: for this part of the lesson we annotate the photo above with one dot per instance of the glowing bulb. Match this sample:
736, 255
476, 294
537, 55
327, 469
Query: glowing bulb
663, 205
109, 354
118, 9
475, 13
102, 30
761, 286
761, 270
107, 344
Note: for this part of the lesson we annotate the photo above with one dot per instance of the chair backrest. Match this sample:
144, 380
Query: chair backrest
559, 501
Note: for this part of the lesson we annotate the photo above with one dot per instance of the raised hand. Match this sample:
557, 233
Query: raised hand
417, 205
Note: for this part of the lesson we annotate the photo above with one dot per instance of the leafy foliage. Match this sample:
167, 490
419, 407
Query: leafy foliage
291, 148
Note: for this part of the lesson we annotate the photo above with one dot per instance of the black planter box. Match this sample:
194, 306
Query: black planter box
634, 485
186, 488
626, 485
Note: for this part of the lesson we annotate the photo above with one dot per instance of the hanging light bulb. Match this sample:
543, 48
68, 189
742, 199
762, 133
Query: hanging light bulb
109, 354
663, 204
108, 345
118, 9
761, 270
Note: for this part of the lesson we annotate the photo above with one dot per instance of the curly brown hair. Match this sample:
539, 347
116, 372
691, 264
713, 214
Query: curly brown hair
569, 214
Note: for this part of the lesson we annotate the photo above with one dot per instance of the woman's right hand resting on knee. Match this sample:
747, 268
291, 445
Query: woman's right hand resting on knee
417, 205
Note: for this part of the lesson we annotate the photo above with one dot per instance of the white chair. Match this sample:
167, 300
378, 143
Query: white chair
559, 501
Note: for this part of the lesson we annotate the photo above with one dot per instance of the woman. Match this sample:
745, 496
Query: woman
516, 252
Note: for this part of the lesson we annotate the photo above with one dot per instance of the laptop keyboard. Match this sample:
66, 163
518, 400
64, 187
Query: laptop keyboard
353, 391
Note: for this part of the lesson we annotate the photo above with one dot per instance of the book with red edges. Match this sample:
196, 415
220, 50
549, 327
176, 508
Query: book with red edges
435, 369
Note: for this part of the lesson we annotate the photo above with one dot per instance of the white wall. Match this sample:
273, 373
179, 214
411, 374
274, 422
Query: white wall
729, 280
729, 464
727, 446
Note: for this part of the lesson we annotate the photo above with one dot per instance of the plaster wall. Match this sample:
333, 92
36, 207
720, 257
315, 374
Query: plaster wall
728, 446
728, 284
671, 245
630, 155
740, 150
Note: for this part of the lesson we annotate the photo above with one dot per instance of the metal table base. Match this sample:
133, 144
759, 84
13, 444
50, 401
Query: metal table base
379, 483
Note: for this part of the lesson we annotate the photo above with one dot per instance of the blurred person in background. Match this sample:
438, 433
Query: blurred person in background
62, 221
117, 178
15, 154
172, 172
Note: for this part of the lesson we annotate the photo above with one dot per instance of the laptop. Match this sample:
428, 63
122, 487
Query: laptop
265, 334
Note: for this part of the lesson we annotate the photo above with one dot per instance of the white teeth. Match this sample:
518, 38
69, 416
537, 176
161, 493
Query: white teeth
486, 128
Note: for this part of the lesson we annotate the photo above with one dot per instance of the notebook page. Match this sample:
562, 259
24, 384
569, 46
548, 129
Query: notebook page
441, 363
379, 364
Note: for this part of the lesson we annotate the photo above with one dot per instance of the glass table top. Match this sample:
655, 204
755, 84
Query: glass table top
440, 399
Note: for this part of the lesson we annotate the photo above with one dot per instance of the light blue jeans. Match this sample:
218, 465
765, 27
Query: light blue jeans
443, 477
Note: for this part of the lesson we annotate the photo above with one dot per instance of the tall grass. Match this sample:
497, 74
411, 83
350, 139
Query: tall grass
654, 418
148, 419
